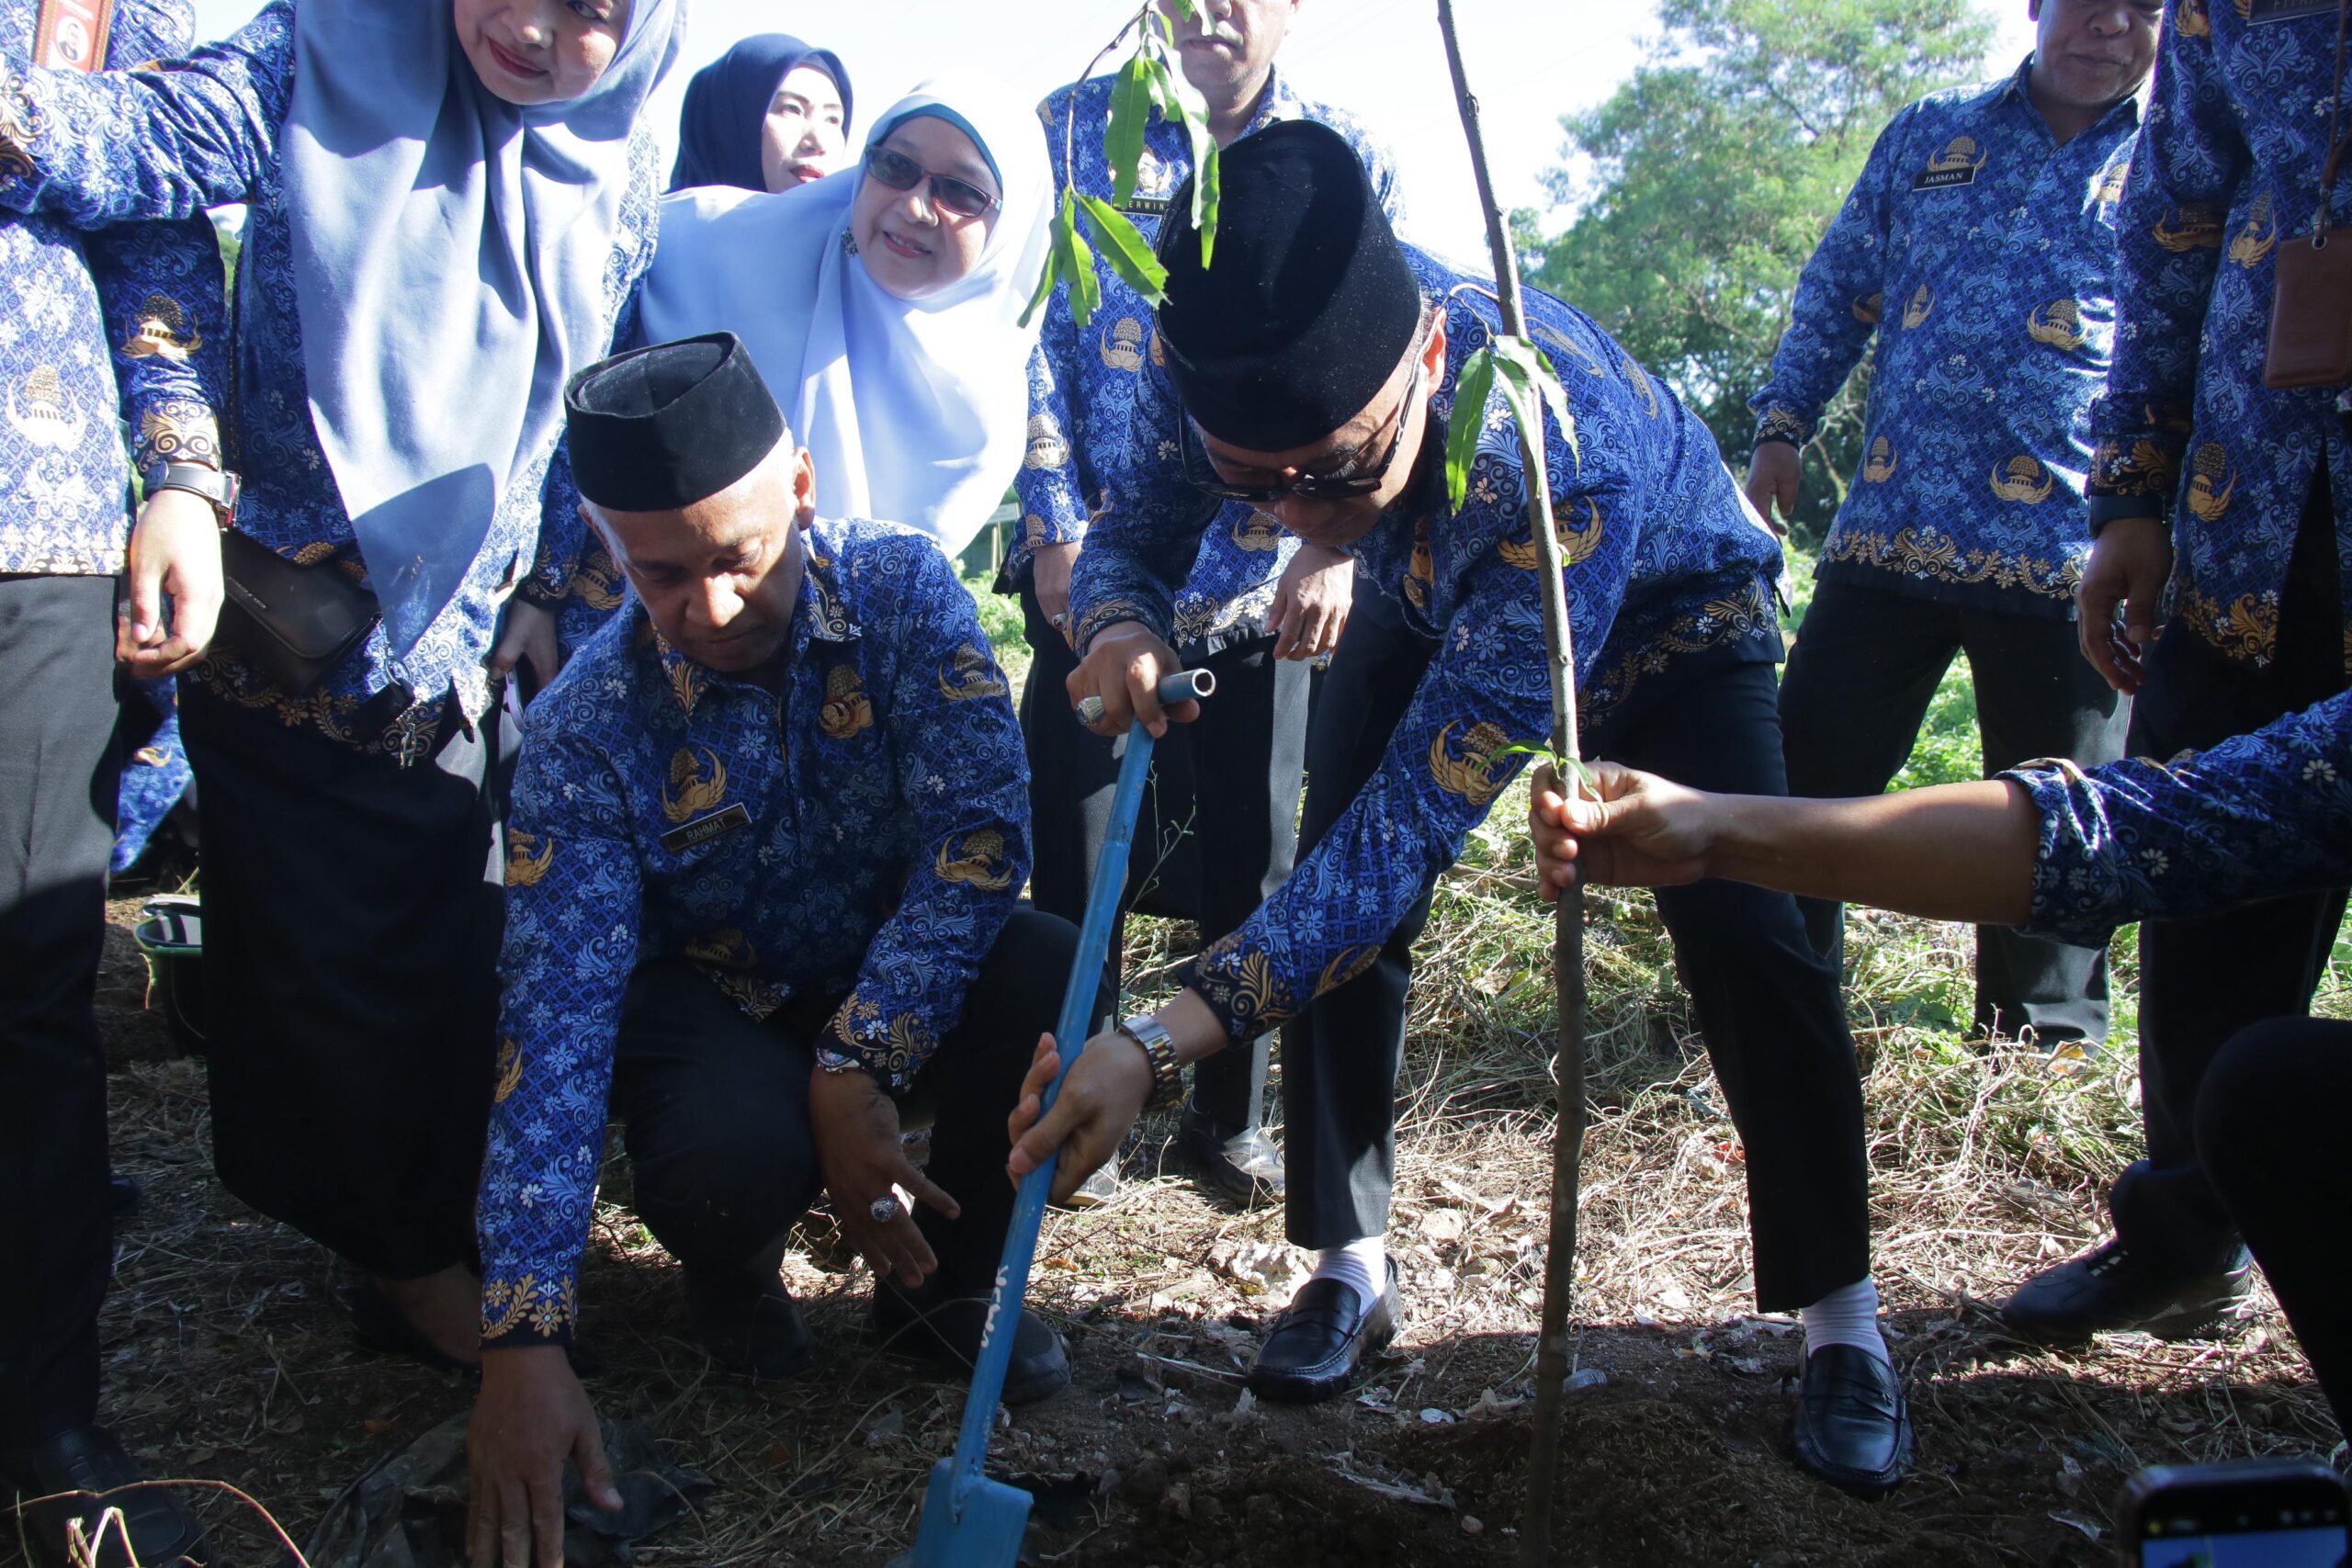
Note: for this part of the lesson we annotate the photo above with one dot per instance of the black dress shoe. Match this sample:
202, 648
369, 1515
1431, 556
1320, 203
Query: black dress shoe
944, 1332
2111, 1288
1239, 1163
1314, 1349
1853, 1426
756, 1334
87, 1462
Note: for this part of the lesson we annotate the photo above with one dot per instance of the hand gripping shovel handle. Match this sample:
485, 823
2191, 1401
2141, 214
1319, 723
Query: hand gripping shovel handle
1029, 1207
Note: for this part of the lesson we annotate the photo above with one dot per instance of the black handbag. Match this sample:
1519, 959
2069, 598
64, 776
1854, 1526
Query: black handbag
291, 624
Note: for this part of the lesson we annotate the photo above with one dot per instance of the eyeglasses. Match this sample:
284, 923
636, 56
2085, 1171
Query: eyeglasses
1203, 476
947, 193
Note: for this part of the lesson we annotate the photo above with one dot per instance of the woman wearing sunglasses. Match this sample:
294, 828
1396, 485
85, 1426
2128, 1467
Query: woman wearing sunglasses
882, 306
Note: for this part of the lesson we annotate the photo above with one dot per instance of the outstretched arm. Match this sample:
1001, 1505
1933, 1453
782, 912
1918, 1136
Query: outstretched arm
1954, 853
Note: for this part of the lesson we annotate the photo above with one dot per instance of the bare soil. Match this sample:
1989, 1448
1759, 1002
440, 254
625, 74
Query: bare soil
227, 1358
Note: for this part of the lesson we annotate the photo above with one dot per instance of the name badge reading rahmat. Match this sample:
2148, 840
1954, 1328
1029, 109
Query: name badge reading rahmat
703, 830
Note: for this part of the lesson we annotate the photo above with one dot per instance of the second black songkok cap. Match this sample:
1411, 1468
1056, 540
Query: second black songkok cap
1308, 305
661, 428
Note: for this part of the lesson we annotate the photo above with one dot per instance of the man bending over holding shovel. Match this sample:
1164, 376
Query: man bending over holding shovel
763, 865
1311, 372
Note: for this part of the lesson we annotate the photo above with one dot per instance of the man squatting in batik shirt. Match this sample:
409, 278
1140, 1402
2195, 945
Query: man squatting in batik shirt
766, 854
2233, 498
1315, 366
65, 527
1977, 250
1255, 605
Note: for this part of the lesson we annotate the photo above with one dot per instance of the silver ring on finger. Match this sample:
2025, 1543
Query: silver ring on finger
1058, 622
1089, 710
884, 1210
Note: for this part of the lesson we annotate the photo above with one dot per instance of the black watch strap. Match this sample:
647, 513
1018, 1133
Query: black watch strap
216, 486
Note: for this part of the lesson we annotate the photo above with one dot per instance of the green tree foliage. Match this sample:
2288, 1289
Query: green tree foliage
1713, 174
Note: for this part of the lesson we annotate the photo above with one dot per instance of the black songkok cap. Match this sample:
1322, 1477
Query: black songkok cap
1309, 304
661, 428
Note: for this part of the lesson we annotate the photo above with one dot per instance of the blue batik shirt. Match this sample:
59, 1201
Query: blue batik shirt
1081, 384
2229, 169
855, 838
203, 132
2257, 817
1979, 254
1667, 570
81, 345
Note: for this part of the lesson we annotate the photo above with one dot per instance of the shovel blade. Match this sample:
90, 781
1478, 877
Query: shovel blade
985, 1532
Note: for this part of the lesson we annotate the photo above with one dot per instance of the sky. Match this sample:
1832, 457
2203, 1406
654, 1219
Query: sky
1528, 61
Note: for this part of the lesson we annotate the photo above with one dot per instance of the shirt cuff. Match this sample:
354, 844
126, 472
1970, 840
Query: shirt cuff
1780, 422
536, 1308
177, 430
1237, 982
892, 1050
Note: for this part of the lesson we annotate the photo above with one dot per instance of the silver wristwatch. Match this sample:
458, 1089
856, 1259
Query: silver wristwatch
1159, 1046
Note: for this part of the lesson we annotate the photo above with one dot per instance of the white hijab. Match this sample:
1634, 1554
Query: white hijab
916, 411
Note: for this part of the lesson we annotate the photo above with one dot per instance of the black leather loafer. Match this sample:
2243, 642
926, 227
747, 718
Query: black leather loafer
2111, 1289
1314, 1349
1853, 1426
1239, 1163
944, 1332
87, 1463
761, 1335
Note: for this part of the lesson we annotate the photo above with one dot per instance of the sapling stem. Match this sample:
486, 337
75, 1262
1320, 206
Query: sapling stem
1567, 939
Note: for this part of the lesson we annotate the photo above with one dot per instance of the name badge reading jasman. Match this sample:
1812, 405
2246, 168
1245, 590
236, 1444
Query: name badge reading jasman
2265, 11
703, 830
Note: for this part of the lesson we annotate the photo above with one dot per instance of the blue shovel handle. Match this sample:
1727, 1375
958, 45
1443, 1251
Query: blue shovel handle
1069, 1038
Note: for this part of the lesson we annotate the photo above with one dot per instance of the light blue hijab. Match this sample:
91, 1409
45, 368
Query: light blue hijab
449, 260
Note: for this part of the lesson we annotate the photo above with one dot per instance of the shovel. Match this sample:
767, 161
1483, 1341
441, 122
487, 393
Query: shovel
969, 1521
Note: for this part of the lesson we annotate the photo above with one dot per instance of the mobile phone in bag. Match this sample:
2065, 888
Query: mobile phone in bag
2246, 1514
2311, 316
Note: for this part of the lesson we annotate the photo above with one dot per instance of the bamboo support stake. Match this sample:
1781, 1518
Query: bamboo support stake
1567, 941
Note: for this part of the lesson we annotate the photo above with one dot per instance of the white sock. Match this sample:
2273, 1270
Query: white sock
1362, 1264
1845, 1317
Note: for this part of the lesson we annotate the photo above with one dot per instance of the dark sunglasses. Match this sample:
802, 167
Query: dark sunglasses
1202, 475
947, 193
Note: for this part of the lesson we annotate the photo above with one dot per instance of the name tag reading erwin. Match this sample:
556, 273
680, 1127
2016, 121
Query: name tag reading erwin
703, 830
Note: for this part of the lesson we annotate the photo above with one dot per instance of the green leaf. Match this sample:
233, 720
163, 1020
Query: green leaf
1131, 106
1512, 374
1045, 280
1556, 398
1124, 248
1469, 419
1532, 370
1078, 266
1178, 101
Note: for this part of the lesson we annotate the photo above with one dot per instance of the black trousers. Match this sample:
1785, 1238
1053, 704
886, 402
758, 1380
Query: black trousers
352, 915
2202, 981
1866, 664
1341, 1055
1768, 1003
1218, 829
59, 767
2269, 1132
717, 1107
